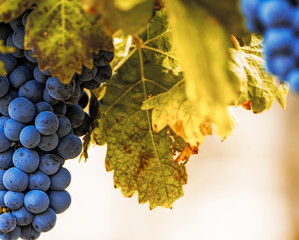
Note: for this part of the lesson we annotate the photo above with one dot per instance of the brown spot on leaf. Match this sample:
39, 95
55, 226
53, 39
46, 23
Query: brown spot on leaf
144, 161
155, 128
186, 153
247, 105
206, 126
127, 149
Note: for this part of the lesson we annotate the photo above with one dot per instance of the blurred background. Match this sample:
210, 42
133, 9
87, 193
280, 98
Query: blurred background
246, 188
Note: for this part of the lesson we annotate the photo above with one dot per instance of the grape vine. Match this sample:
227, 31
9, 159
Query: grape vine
129, 74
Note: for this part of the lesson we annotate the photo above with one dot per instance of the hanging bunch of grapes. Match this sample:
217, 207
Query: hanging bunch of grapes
40, 125
278, 22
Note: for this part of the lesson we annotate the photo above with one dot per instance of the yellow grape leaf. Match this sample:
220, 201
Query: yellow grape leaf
130, 15
173, 108
11, 9
141, 157
64, 37
202, 46
258, 89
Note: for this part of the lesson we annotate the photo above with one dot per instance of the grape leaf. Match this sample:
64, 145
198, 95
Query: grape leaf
131, 15
202, 44
141, 158
258, 89
63, 37
174, 109
227, 12
4, 50
11, 9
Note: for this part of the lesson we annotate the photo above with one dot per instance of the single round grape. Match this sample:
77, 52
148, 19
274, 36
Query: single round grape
84, 127
49, 163
45, 221
59, 200
6, 158
22, 110
12, 129
4, 85
47, 98
18, 52
29, 233
36, 201
7, 222
46, 123
30, 137
60, 108
18, 37
48, 143
39, 181
43, 106
39, 76
75, 114
103, 74
103, 58
14, 200
60, 180
278, 40
275, 13
19, 76
58, 90
88, 74
69, 146
23, 216
65, 126
15, 180
26, 159
32, 90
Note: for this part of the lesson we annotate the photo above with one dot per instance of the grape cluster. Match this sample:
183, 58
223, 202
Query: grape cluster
278, 22
41, 120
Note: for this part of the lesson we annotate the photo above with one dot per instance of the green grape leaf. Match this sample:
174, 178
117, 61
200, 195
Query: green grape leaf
174, 109
141, 157
258, 88
131, 15
63, 37
11, 9
202, 46
4, 50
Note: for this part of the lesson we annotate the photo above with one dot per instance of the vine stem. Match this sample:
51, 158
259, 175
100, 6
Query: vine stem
235, 42
138, 42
